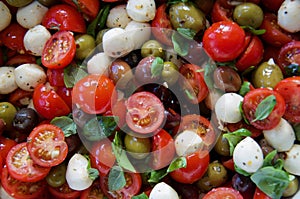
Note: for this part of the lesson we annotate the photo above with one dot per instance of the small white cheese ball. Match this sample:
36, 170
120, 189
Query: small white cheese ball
227, 108
282, 137
118, 17
142, 10
77, 174
7, 80
99, 64
292, 160
35, 39
31, 14
289, 15
248, 155
117, 43
163, 191
28, 76
140, 31
187, 142
5, 16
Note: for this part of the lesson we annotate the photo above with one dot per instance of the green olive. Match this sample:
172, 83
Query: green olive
48, 3
85, 44
137, 147
18, 3
267, 74
7, 113
187, 15
215, 176
99, 36
222, 146
248, 14
57, 175
152, 48
292, 188
170, 73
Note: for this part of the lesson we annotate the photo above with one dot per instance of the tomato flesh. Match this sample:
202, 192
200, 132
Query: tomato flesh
223, 192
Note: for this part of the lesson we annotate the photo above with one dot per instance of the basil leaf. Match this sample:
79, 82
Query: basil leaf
242, 113
157, 175
141, 196
268, 161
271, 181
116, 178
235, 137
72, 74
180, 45
264, 108
208, 72
253, 30
67, 125
99, 22
187, 33
241, 171
245, 88
296, 128
93, 173
177, 163
157, 66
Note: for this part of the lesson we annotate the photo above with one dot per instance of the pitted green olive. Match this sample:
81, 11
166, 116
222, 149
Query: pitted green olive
248, 14
152, 48
84, 45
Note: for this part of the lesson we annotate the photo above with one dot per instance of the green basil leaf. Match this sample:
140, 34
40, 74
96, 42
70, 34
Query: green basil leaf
235, 137
157, 175
241, 171
67, 125
264, 108
180, 45
177, 163
209, 69
72, 74
253, 30
157, 66
93, 173
116, 179
99, 22
170, 2
296, 128
268, 161
245, 88
271, 181
141, 196
108, 124
187, 33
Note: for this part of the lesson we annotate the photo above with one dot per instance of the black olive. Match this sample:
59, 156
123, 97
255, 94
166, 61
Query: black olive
25, 120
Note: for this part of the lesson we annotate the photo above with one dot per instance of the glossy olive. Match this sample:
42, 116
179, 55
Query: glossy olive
18, 3
243, 184
143, 72
99, 36
187, 15
222, 146
215, 176
227, 79
85, 44
248, 14
7, 113
137, 147
170, 73
267, 74
25, 120
57, 175
48, 3
292, 188
120, 72
152, 48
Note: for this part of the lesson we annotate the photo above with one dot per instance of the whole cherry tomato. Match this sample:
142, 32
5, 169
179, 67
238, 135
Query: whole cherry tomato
56, 77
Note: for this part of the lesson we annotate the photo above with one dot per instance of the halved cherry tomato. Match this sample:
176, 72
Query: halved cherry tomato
163, 150
242, 124
21, 59
5, 145
197, 164
192, 82
119, 109
102, 156
93, 192
46, 145
64, 17
56, 77
21, 167
253, 98
48, 103
258, 194
289, 89
19, 96
66, 94
89, 8
22, 190
289, 54
94, 94
145, 112
220, 13
64, 192
223, 192
59, 50
132, 187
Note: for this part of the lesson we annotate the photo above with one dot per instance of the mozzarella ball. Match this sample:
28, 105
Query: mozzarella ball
281, 137
140, 31
7, 80
163, 191
35, 39
292, 160
99, 64
288, 16
227, 108
248, 155
31, 15
28, 76
142, 10
117, 43
187, 142
118, 17
5, 16
77, 174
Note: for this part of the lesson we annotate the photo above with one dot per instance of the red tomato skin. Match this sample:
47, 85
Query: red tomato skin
242, 124
56, 77
258, 194
224, 41
289, 89
89, 8
289, 54
197, 164
5, 145
17, 95
66, 94
21, 59
93, 192
64, 192
220, 13
223, 192
64, 17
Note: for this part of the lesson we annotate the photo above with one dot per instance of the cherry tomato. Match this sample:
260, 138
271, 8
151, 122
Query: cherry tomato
193, 83
93, 192
197, 164
46, 145
94, 94
132, 187
258, 194
64, 192
64, 17
119, 110
21, 167
223, 192
229, 164
22, 190
48, 103
18, 96
59, 50
145, 112
289, 54
5, 145
251, 101
289, 89
21, 59
242, 124
163, 150
102, 156
220, 13
66, 94
162, 27
56, 77
224, 41
89, 8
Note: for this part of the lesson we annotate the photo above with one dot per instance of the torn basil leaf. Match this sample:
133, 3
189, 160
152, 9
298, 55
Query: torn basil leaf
66, 123
264, 108
116, 178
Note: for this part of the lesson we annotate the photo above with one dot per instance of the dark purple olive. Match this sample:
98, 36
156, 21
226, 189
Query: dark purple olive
73, 142
133, 58
186, 191
244, 185
25, 120
227, 79
143, 72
